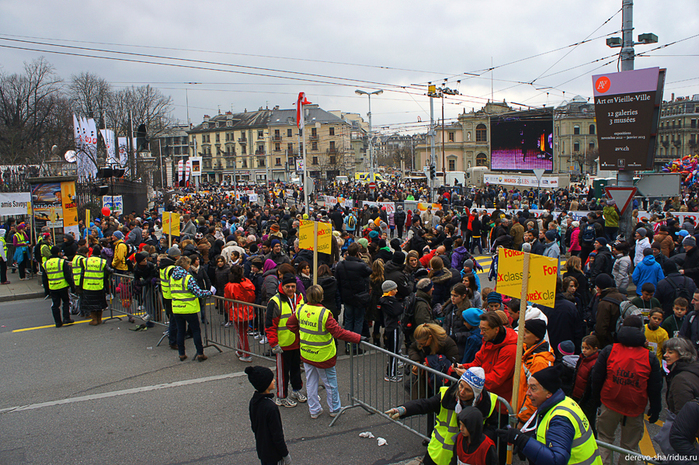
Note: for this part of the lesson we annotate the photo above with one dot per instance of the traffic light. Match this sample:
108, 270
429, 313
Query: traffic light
433, 172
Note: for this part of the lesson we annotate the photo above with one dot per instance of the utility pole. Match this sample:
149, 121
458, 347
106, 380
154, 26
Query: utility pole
371, 142
431, 92
434, 91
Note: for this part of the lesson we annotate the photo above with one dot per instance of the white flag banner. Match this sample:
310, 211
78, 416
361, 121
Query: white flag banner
180, 171
108, 137
124, 153
77, 134
188, 170
87, 151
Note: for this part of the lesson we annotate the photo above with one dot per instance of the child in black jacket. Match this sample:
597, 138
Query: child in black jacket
265, 419
392, 310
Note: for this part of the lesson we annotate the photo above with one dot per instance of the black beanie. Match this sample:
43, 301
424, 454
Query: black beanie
604, 281
259, 377
288, 278
398, 257
536, 327
549, 378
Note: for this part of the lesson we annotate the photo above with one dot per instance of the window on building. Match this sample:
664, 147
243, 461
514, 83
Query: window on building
450, 136
331, 131
576, 146
276, 134
481, 158
218, 137
314, 146
481, 135
277, 147
261, 162
243, 149
332, 160
679, 124
592, 129
230, 163
245, 163
260, 149
576, 129
288, 133
693, 138
315, 160
693, 124
290, 148
591, 146
260, 134
314, 132
452, 165
332, 145
278, 161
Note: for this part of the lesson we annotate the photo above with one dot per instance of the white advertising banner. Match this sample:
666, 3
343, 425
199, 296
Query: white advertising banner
522, 181
15, 203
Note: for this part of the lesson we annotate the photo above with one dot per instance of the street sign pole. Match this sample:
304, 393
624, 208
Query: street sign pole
539, 172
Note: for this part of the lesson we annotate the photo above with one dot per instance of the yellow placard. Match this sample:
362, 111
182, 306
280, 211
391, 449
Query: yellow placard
166, 222
542, 276
423, 206
175, 224
306, 231
70, 207
87, 218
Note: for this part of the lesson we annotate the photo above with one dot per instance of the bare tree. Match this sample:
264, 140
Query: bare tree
145, 105
91, 96
27, 105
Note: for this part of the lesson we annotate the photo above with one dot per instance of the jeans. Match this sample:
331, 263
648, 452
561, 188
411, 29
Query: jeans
193, 319
56, 297
354, 319
329, 378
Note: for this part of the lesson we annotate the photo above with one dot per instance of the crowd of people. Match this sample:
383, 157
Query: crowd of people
624, 320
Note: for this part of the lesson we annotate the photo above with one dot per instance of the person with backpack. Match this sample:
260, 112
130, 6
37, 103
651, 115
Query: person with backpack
350, 223
399, 220
647, 271
674, 322
418, 309
690, 326
624, 380
587, 236
642, 243
604, 260
674, 285
608, 309
119, 262
392, 310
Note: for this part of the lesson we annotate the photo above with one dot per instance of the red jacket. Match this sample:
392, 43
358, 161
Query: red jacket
244, 291
582, 374
498, 362
425, 260
333, 328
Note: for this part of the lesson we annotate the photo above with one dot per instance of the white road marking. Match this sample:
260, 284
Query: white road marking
123, 392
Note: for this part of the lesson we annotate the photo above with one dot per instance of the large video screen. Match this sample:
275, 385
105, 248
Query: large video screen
522, 141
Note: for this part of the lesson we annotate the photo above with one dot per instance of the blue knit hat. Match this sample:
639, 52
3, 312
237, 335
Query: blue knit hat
494, 297
475, 377
472, 316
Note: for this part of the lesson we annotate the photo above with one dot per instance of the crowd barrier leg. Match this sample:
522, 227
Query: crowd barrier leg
208, 314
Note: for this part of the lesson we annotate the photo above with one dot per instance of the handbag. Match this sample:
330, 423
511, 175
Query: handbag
364, 298
663, 436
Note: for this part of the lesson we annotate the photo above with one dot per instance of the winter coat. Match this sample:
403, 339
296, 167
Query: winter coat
691, 264
352, 276
270, 282
221, 278
648, 271
454, 325
373, 313
628, 336
683, 385
667, 245
583, 370
70, 247
266, 423
575, 240
448, 349
552, 250
423, 309
392, 310
473, 345
441, 282
607, 316
685, 431
243, 291
641, 245
331, 294
459, 256
534, 359
395, 273
145, 276
564, 323
604, 263
583, 291
497, 358
622, 271
665, 290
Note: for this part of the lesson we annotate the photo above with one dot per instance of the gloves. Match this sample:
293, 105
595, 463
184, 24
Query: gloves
509, 435
277, 349
213, 290
365, 339
395, 413
653, 416
287, 459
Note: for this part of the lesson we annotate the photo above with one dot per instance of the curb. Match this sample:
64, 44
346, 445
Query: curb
11, 298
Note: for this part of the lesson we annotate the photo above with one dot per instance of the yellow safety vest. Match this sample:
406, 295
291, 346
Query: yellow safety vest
584, 447
77, 264
317, 344
93, 279
441, 446
44, 257
183, 301
4, 245
285, 338
165, 281
54, 273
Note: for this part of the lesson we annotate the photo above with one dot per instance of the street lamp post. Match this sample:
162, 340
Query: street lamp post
371, 146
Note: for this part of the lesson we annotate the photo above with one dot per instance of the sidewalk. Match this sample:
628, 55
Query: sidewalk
21, 290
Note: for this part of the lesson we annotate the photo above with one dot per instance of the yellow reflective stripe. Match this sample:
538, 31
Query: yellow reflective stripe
595, 456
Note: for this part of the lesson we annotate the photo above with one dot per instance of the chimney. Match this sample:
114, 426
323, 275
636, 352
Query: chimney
673, 97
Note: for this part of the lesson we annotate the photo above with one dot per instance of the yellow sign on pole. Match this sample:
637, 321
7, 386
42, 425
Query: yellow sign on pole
543, 271
166, 222
307, 235
87, 218
175, 224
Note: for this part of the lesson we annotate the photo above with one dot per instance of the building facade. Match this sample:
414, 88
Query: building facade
678, 130
575, 146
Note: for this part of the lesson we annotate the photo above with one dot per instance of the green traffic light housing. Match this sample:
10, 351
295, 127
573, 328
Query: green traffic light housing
614, 42
648, 38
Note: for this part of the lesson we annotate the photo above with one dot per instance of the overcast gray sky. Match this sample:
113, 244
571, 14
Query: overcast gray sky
328, 49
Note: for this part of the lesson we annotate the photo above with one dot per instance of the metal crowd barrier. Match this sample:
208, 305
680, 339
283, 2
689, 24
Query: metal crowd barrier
373, 389
218, 312
143, 302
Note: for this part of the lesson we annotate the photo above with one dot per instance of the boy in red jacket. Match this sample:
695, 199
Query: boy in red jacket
581, 391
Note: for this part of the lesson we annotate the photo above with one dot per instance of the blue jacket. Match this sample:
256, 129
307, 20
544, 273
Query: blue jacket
559, 437
472, 346
647, 271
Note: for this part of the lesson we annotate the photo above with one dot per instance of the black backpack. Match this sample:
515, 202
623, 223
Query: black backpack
680, 291
407, 321
589, 234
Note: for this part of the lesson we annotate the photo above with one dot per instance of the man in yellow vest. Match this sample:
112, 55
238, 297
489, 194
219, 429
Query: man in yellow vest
166, 265
94, 282
185, 306
562, 432
3, 258
469, 391
284, 343
58, 277
316, 329
77, 265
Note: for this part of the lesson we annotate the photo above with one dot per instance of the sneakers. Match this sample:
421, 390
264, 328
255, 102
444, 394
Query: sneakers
228, 324
287, 402
316, 415
298, 396
263, 340
393, 379
245, 358
335, 413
